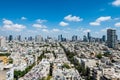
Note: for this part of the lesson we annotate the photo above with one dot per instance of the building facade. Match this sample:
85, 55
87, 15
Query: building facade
111, 38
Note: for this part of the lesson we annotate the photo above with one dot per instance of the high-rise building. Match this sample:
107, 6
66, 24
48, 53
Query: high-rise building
30, 38
111, 38
85, 38
104, 38
74, 38
25, 38
38, 38
19, 37
10, 38
2, 41
89, 37
60, 38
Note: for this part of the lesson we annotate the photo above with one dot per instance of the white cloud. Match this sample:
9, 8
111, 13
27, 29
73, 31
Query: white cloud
105, 29
32, 31
7, 22
86, 30
40, 21
39, 26
23, 18
63, 23
94, 23
55, 30
45, 30
103, 18
9, 25
99, 20
117, 24
82, 31
116, 3
73, 18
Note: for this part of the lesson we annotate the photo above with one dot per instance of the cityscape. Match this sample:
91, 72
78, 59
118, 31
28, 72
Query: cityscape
59, 40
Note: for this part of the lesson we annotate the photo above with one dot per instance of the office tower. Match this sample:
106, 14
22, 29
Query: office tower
30, 38
49, 39
111, 38
89, 37
38, 38
60, 38
10, 38
104, 38
25, 38
85, 38
74, 38
19, 38
116, 37
64, 39
2, 41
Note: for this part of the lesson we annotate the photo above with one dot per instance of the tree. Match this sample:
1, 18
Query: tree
99, 56
66, 66
10, 60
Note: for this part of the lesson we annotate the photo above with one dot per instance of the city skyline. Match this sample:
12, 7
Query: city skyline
52, 18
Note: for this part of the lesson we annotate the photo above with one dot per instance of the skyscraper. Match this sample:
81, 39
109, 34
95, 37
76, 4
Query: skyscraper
111, 38
19, 37
10, 38
30, 38
38, 38
103, 38
85, 38
60, 38
74, 38
89, 37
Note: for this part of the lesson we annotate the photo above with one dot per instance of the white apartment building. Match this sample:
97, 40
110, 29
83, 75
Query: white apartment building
2, 41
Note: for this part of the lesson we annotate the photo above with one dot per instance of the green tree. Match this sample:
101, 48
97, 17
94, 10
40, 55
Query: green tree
66, 66
99, 56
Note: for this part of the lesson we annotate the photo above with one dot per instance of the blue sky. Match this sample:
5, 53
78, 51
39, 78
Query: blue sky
54, 17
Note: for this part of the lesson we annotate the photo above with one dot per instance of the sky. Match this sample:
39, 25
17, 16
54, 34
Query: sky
55, 17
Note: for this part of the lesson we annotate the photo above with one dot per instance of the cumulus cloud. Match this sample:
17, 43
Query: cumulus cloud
98, 21
45, 30
23, 18
63, 23
39, 26
32, 31
94, 23
40, 21
116, 3
103, 18
55, 30
73, 18
117, 24
7, 22
86, 30
9, 25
